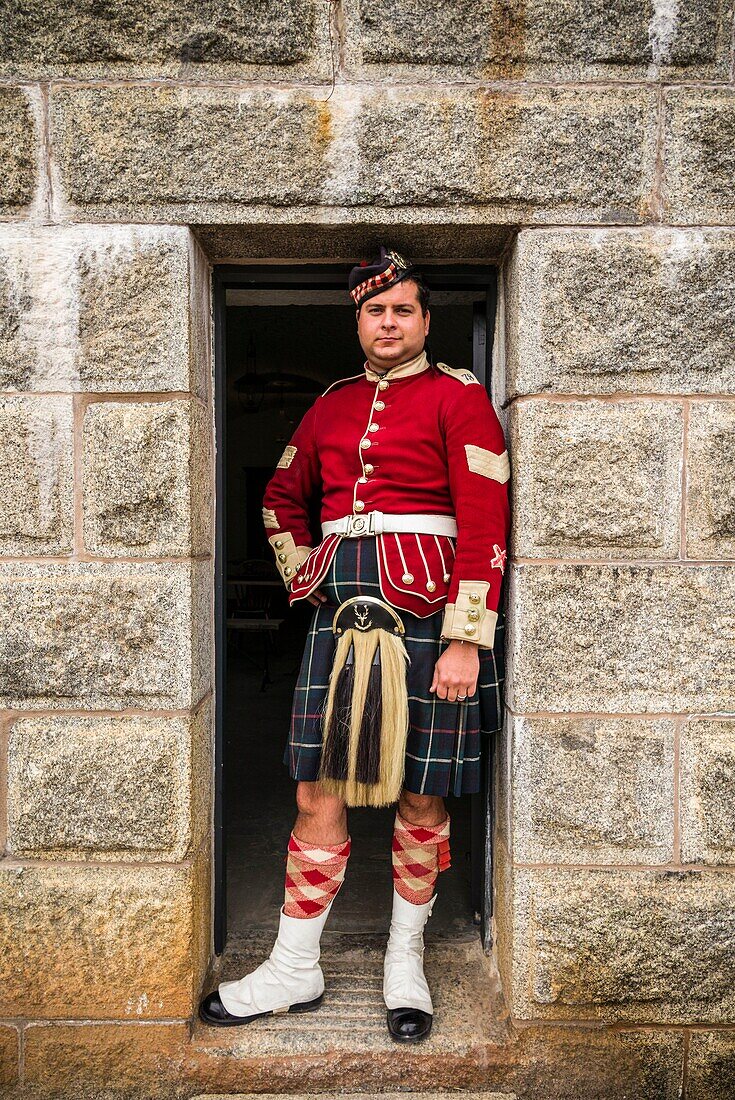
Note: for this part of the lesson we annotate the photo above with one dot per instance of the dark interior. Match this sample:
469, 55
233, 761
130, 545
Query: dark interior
283, 348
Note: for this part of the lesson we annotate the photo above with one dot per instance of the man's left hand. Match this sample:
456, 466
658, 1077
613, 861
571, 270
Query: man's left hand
456, 671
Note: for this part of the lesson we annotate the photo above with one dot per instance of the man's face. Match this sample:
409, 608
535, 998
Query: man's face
391, 327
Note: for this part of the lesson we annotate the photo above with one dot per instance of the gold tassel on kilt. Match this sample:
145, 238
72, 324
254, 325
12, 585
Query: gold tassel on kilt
366, 715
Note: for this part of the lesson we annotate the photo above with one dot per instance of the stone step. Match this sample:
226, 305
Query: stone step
362, 1096
474, 1049
345, 1044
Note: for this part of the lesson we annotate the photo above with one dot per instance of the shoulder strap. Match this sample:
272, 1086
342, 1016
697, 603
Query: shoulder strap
466, 377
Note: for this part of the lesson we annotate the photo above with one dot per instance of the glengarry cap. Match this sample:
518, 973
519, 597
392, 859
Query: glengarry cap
368, 279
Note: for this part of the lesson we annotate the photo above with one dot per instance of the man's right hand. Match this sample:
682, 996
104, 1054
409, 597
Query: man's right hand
317, 597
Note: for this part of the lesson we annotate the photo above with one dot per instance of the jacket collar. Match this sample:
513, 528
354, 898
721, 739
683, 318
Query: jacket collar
403, 370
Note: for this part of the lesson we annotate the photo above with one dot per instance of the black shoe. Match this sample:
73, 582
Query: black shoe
408, 1025
213, 1012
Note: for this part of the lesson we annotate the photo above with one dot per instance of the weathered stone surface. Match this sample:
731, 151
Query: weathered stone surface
509, 152
707, 795
595, 479
710, 515
545, 1063
189, 148
85, 942
545, 39
98, 308
186, 40
36, 475
585, 153
4, 732
700, 156
463, 980
147, 478
621, 638
9, 1055
574, 1063
711, 1065
114, 788
441, 234
395, 32
593, 790
90, 1060
624, 945
201, 334
614, 310
539, 1063
18, 150
94, 635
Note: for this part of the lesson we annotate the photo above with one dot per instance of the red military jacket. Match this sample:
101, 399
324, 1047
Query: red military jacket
420, 438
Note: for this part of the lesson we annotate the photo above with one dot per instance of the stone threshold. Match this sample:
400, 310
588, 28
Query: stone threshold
344, 1045
362, 1096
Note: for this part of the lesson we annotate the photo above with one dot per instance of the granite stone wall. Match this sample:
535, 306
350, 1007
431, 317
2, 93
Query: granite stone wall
588, 151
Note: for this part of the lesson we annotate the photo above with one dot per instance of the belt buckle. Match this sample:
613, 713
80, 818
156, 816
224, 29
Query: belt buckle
357, 526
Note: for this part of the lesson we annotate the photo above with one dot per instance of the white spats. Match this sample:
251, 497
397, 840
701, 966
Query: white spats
404, 984
291, 975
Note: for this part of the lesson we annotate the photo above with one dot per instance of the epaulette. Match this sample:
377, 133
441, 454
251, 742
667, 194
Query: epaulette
466, 377
341, 382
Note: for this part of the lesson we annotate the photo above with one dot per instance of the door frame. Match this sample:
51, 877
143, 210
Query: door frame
329, 276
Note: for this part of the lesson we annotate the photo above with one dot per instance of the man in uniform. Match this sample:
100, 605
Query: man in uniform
399, 675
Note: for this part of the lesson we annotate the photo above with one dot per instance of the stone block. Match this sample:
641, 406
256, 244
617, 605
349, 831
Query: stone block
710, 513
560, 39
127, 788
104, 635
593, 790
36, 475
190, 148
542, 1063
162, 38
101, 942
645, 946
9, 1055
122, 1059
707, 793
536, 1062
596, 479
98, 308
147, 478
592, 1063
699, 156
621, 310
451, 234
407, 32
540, 153
18, 152
621, 638
4, 731
711, 1063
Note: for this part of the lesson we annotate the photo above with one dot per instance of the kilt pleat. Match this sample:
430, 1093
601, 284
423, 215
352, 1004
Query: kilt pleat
444, 739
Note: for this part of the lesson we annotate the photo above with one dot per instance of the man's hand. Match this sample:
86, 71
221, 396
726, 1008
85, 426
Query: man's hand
317, 597
456, 671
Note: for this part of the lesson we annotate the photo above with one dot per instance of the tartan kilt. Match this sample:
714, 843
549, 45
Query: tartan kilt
444, 739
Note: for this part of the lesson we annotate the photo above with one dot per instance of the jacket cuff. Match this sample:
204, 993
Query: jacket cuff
289, 556
469, 619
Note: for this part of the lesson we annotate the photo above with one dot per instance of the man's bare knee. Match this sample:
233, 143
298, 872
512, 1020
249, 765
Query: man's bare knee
322, 817
422, 809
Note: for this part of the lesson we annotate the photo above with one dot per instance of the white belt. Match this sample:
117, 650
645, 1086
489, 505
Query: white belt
375, 523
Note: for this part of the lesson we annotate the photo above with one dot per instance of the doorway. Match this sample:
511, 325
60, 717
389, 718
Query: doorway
283, 334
